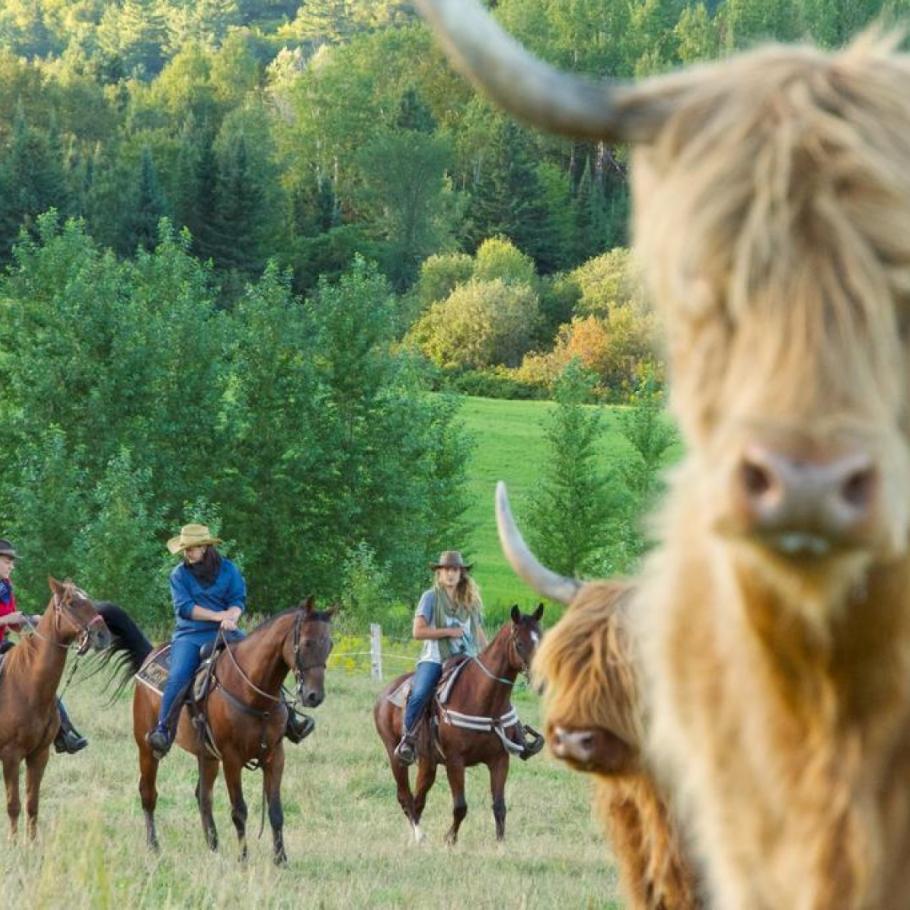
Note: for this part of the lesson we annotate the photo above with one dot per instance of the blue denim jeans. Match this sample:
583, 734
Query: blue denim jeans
185, 662
424, 682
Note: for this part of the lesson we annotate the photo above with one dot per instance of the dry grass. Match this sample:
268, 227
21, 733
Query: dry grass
348, 842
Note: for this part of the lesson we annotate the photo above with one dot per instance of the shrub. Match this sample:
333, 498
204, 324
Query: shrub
441, 274
498, 257
480, 324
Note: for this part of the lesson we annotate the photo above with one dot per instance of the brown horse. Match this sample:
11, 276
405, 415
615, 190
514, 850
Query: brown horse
473, 727
245, 712
28, 704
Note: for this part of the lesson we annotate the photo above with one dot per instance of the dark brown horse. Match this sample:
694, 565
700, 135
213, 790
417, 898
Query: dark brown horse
245, 711
477, 707
28, 690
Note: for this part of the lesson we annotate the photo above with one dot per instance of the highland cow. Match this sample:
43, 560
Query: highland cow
771, 624
595, 722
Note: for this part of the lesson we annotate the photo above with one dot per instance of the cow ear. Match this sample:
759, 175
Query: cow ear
538, 612
515, 614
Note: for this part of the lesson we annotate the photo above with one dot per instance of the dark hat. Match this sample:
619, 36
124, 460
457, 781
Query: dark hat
6, 549
451, 559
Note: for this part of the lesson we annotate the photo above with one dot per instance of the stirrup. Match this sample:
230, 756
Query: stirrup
406, 750
532, 744
69, 741
299, 726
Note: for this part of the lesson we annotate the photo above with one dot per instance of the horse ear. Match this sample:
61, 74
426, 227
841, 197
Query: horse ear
308, 603
515, 614
55, 586
538, 612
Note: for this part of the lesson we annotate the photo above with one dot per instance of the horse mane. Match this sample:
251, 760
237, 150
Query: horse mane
314, 616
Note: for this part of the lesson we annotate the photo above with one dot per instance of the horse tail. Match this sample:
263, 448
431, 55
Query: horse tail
129, 647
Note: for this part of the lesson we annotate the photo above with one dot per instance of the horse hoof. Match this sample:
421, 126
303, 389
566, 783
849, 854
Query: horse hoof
419, 835
281, 859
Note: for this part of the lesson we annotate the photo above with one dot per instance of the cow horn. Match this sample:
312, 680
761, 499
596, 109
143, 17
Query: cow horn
534, 91
523, 561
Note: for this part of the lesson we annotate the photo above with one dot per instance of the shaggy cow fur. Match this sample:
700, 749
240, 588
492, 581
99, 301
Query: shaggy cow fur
771, 624
589, 683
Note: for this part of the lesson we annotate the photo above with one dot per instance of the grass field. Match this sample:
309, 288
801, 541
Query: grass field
348, 842
510, 446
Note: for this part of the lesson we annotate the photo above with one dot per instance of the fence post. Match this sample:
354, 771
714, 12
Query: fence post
375, 651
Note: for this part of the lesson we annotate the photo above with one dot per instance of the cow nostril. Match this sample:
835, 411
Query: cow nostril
857, 488
756, 479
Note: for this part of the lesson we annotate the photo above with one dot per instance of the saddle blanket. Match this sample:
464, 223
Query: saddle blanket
450, 672
156, 669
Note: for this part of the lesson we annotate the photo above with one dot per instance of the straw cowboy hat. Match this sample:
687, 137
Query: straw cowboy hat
192, 536
451, 559
6, 549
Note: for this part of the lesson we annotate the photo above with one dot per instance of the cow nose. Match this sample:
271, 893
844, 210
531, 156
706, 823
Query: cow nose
803, 503
577, 745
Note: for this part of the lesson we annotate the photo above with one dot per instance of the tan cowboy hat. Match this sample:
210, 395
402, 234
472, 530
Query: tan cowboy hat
451, 559
192, 536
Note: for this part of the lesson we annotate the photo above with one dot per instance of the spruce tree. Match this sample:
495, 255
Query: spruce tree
571, 511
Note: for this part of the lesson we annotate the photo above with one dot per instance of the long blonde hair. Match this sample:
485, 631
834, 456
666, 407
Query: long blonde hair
467, 592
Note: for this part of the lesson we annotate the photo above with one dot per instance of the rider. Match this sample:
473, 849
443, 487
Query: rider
448, 622
209, 594
67, 739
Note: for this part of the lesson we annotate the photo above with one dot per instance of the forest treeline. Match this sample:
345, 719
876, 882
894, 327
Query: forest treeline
241, 238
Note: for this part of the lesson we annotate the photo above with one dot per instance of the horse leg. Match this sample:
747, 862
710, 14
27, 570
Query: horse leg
499, 771
34, 772
455, 772
405, 797
148, 793
232, 778
208, 771
426, 777
13, 805
272, 770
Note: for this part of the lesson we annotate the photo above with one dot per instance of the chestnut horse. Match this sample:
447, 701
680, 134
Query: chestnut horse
245, 711
478, 699
28, 690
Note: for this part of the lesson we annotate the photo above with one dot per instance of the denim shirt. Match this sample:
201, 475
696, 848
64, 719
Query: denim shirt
227, 590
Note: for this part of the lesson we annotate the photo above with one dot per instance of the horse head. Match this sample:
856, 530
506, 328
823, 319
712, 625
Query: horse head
310, 645
75, 617
524, 638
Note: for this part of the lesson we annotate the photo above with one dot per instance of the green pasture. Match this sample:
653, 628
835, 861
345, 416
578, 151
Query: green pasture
510, 446
348, 843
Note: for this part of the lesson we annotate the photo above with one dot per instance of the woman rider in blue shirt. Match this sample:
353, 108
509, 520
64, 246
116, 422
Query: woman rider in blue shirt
209, 594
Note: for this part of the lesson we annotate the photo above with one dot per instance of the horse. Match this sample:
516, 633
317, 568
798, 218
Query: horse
470, 728
28, 705
245, 713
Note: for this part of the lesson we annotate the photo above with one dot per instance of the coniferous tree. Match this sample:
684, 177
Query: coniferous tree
32, 178
571, 511
149, 206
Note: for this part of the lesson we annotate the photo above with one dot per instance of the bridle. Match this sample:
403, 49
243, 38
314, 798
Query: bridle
83, 629
297, 668
512, 647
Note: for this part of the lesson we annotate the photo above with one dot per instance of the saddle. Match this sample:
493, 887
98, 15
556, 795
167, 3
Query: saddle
154, 674
450, 672
157, 667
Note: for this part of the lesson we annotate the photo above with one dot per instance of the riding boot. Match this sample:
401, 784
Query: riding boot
68, 738
299, 725
406, 750
162, 736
